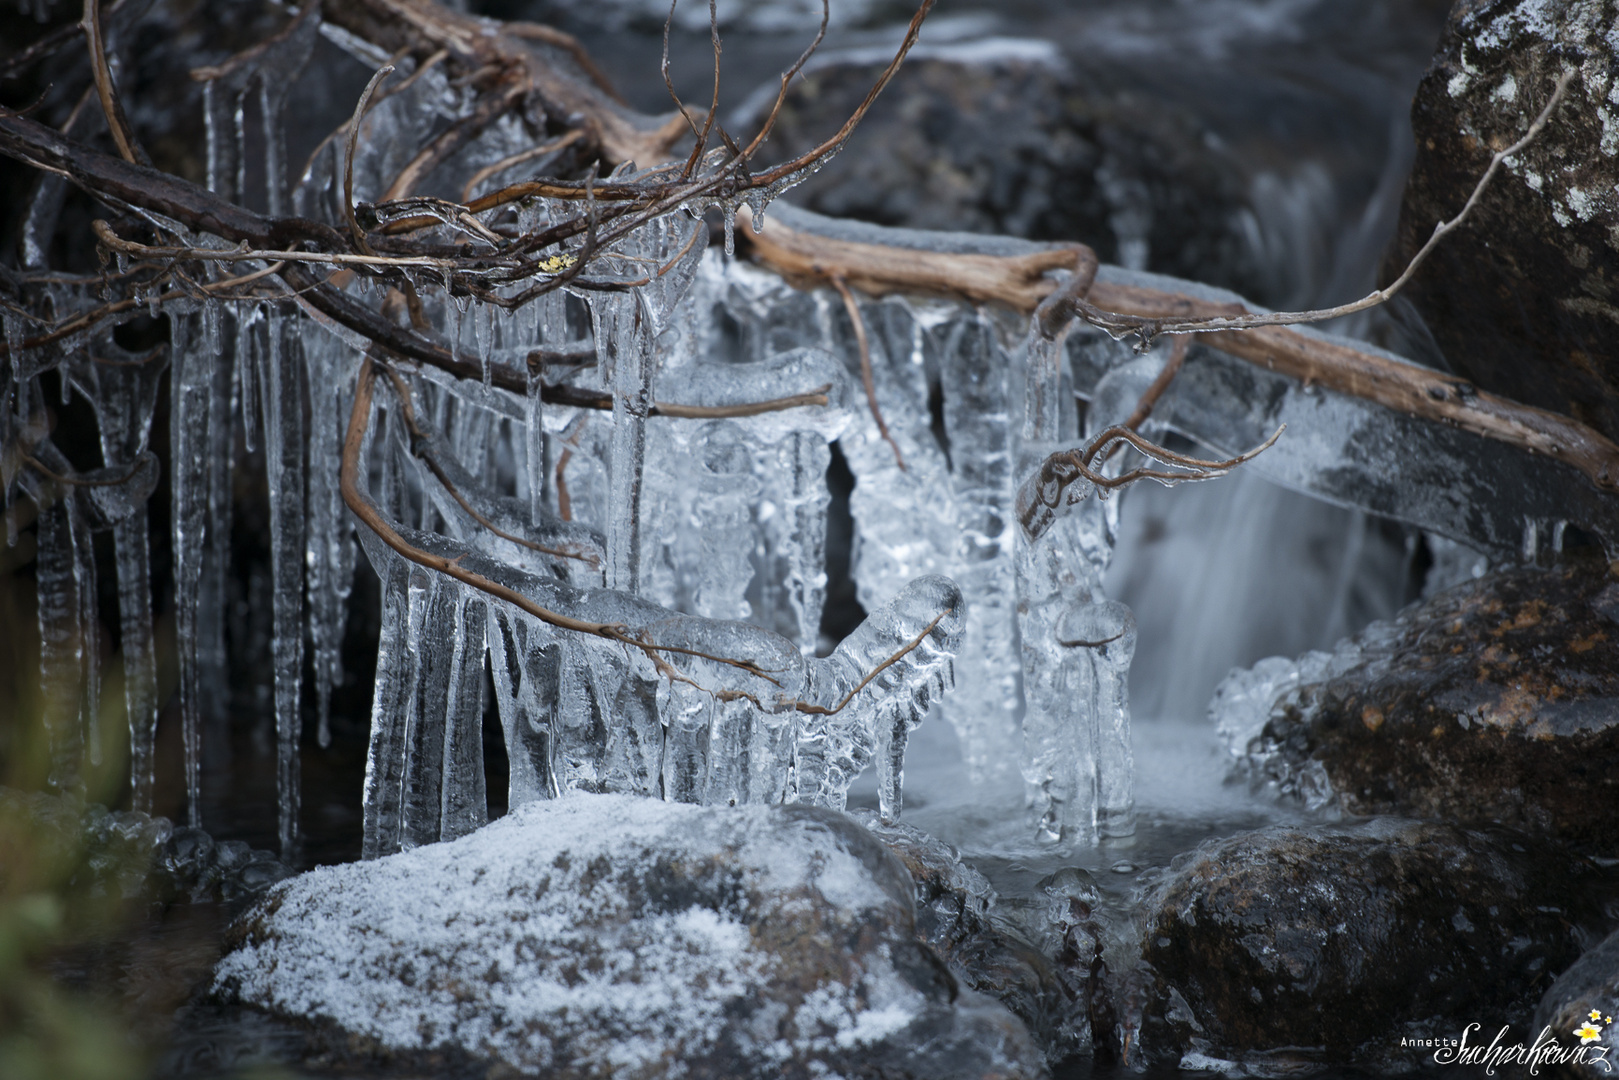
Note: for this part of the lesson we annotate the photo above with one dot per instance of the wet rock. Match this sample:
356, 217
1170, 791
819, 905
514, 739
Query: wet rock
1587, 993
1494, 702
1000, 137
1524, 300
1040, 957
613, 934
126, 855
1289, 946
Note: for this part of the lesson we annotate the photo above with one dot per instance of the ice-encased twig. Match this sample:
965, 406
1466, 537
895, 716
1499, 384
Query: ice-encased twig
870, 708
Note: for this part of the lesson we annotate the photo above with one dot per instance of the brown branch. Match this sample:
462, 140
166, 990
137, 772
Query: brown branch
1043, 493
117, 122
866, 377
806, 259
1149, 398
348, 157
402, 392
514, 160
489, 108
835, 143
40, 49
355, 498
569, 44
250, 55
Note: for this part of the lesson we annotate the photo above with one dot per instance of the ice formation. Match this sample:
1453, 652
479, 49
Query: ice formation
692, 525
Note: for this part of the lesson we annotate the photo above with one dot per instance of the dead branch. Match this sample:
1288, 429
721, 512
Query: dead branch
1020, 282
117, 123
1044, 492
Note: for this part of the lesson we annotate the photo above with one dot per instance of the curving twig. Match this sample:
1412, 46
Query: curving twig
117, 123
1145, 328
866, 377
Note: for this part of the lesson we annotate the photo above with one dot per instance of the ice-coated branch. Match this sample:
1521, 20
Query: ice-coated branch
1057, 482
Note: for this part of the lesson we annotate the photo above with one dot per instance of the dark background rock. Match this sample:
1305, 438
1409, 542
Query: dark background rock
1592, 984
1496, 701
1523, 300
1311, 943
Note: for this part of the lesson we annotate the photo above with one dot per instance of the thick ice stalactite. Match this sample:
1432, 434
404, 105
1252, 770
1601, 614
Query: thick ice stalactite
1076, 644
191, 380
124, 395
285, 447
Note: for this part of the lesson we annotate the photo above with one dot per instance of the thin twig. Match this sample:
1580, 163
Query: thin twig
915, 643
348, 158
117, 122
514, 160
866, 377
402, 392
1146, 329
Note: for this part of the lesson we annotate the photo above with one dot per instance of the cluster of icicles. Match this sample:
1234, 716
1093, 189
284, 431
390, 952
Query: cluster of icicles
705, 536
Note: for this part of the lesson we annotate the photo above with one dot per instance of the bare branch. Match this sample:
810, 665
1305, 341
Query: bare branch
866, 377
117, 122
1146, 329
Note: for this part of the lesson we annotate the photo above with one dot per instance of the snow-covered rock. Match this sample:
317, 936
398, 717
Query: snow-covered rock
614, 935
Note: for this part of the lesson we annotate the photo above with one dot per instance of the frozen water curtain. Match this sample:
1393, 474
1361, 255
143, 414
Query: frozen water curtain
586, 453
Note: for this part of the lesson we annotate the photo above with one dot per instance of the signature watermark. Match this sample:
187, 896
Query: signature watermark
1546, 1049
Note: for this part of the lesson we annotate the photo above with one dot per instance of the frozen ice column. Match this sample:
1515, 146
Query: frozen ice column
1080, 751
1076, 645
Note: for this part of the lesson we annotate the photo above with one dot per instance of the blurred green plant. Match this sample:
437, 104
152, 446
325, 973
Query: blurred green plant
48, 902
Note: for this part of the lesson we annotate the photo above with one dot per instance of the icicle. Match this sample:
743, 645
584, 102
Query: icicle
329, 555
124, 396
465, 802
434, 604
525, 662
61, 644
975, 381
247, 363
384, 763
723, 517
213, 675
483, 332
285, 462
84, 573
624, 344
191, 390
916, 635
535, 459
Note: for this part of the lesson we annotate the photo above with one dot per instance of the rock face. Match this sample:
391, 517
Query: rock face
1496, 701
1323, 944
1524, 300
1008, 142
1588, 992
601, 934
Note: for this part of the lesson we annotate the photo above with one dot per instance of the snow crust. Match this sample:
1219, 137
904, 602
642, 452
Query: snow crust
547, 926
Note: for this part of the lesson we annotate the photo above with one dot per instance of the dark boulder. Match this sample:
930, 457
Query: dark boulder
1523, 300
1294, 945
1587, 993
1012, 143
1494, 702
